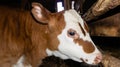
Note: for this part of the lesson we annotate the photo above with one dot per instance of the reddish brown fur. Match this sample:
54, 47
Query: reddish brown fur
83, 31
21, 35
86, 27
87, 46
54, 28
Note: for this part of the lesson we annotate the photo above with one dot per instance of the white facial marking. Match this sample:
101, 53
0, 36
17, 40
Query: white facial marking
20, 63
56, 53
67, 48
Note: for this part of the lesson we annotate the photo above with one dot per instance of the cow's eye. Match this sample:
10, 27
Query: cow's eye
71, 33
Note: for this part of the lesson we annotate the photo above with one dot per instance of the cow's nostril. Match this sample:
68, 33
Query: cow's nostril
86, 60
98, 58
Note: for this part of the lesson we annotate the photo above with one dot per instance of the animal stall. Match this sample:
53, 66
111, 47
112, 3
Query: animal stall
103, 19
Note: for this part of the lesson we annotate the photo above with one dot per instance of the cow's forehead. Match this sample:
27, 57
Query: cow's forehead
73, 16
73, 21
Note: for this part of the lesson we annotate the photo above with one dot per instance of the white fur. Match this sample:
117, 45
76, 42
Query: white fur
68, 49
56, 53
20, 63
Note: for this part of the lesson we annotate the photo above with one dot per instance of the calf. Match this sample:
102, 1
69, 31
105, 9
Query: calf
28, 37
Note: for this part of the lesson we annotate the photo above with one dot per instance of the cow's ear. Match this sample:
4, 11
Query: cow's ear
40, 13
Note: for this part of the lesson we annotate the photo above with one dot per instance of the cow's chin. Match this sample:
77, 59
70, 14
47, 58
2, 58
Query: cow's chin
80, 60
65, 57
91, 63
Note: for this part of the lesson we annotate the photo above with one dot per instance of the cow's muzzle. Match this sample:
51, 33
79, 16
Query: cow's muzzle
98, 59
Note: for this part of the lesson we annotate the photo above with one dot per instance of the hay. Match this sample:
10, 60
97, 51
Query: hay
110, 61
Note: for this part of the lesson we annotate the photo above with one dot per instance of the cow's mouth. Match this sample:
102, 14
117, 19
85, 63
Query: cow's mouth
86, 60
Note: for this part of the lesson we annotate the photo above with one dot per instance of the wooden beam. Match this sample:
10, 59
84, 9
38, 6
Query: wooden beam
99, 8
67, 4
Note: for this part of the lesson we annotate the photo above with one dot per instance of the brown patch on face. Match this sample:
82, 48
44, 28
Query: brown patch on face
88, 47
56, 25
86, 26
82, 29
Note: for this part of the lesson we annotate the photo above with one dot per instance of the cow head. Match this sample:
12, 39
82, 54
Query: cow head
68, 36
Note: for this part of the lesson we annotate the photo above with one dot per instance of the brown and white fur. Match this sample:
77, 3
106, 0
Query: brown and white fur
28, 37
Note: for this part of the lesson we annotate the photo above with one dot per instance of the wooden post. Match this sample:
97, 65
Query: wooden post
100, 8
67, 4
